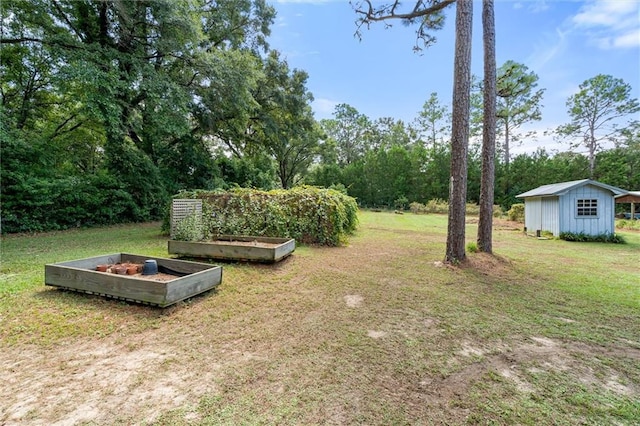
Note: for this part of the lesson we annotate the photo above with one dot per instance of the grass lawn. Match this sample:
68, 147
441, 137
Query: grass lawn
378, 332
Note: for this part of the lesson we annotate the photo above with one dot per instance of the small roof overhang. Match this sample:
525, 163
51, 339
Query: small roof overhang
629, 197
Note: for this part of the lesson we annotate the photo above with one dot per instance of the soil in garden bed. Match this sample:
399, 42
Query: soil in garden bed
254, 243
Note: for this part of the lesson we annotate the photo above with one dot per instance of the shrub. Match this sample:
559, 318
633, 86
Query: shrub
516, 212
585, 238
189, 228
308, 214
628, 224
437, 205
401, 203
417, 208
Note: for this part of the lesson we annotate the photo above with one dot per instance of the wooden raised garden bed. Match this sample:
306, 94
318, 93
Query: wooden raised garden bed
176, 279
233, 247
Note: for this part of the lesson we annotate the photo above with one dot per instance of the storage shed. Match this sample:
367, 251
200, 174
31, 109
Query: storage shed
580, 206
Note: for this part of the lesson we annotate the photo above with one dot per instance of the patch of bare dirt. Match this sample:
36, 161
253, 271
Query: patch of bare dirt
489, 265
94, 381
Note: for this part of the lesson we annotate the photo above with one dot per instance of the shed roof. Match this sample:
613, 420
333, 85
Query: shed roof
563, 187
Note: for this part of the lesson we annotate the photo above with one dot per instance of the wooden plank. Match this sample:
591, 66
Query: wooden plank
250, 238
92, 262
102, 283
284, 250
194, 284
224, 248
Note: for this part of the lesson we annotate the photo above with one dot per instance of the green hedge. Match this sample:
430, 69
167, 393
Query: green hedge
38, 204
310, 215
586, 238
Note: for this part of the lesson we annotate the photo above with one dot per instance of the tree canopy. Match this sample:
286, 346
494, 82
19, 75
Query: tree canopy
594, 113
109, 108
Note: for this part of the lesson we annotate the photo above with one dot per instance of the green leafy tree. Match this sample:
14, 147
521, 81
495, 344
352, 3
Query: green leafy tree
125, 87
285, 127
434, 121
350, 130
595, 112
620, 166
518, 102
387, 132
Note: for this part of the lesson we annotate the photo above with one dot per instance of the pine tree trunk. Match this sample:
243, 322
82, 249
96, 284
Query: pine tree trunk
592, 152
455, 250
487, 183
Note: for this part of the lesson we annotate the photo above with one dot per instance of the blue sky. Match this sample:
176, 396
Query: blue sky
564, 42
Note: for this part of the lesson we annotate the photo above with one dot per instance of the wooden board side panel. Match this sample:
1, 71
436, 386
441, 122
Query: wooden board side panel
92, 262
101, 283
284, 250
219, 251
233, 252
193, 285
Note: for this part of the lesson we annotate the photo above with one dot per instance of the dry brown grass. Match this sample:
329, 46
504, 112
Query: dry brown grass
377, 332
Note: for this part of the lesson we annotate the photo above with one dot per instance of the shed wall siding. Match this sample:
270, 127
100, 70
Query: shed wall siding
541, 214
603, 223
550, 216
532, 216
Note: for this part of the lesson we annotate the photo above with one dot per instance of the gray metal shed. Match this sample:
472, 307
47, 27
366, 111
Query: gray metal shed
580, 206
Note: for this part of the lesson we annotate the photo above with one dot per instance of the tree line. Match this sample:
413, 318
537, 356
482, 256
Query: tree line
388, 163
109, 108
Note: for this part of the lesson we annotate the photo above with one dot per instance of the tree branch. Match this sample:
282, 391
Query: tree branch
373, 15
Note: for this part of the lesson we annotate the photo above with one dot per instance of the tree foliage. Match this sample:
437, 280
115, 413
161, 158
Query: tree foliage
133, 101
595, 111
518, 102
434, 121
148, 93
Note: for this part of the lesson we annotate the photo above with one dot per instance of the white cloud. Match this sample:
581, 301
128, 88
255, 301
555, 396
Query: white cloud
610, 24
323, 107
533, 6
552, 46
628, 40
538, 6
605, 12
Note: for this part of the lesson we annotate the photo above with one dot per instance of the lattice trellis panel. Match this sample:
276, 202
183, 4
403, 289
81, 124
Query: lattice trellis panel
181, 208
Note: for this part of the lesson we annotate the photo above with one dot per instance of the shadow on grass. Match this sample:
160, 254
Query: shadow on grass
93, 301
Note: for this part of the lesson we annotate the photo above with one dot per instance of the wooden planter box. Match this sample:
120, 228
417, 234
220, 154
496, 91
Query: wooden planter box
234, 247
191, 278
